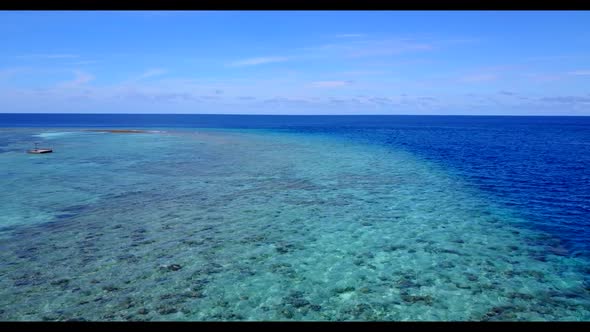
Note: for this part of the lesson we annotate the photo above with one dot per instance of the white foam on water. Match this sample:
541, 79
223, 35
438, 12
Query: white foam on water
54, 134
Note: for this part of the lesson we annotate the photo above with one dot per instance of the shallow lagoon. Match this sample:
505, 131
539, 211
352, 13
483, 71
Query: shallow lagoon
209, 224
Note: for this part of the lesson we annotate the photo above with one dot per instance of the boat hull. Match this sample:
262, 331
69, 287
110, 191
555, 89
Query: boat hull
39, 151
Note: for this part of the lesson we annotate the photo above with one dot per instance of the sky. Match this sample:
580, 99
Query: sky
296, 62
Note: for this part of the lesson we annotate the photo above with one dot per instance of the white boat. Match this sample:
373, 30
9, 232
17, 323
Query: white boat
38, 150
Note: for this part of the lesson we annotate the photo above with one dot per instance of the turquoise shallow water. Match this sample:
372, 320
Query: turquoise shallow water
263, 225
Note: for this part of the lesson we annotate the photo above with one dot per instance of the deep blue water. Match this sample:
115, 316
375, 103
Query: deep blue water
538, 165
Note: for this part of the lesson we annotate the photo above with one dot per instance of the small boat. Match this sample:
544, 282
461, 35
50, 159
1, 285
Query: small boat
38, 150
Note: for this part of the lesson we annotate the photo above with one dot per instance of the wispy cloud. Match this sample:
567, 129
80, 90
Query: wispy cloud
484, 77
81, 63
566, 99
10, 72
363, 72
50, 56
539, 78
258, 61
330, 84
80, 79
350, 35
362, 47
152, 73
585, 72
287, 101
390, 49
507, 93
154, 96
210, 97
457, 41
557, 57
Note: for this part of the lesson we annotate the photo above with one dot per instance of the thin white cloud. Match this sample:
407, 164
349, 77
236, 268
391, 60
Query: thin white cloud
540, 78
11, 72
567, 99
81, 63
363, 72
479, 78
362, 47
391, 49
258, 61
50, 56
152, 73
507, 93
80, 79
330, 84
557, 57
351, 35
457, 41
580, 72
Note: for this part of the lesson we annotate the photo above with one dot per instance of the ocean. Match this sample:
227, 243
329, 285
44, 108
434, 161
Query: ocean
329, 218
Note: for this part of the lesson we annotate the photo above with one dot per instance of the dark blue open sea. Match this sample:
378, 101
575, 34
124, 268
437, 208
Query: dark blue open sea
243, 217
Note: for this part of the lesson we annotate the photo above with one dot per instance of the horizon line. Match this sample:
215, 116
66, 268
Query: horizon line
249, 114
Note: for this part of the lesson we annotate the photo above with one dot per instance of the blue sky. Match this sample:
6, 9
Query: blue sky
296, 62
